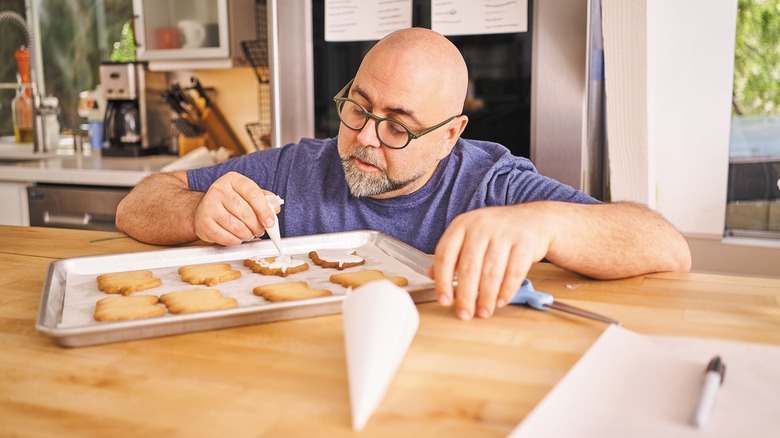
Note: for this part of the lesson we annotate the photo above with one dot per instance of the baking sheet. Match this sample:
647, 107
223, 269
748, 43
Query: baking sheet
70, 291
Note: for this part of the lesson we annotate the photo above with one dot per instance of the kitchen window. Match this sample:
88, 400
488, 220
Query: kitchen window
753, 204
75, 36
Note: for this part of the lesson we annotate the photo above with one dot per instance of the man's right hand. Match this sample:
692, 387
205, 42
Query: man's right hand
233, 210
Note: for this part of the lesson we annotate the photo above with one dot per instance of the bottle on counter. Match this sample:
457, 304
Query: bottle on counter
22, 117
22, 104
92, 105
50, 110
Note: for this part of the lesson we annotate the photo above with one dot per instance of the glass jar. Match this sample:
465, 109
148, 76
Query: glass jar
51, 124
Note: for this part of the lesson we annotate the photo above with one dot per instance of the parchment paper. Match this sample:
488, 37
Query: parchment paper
81, 292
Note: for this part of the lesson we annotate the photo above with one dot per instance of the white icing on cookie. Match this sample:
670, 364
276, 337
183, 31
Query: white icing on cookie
339, 256
282, 262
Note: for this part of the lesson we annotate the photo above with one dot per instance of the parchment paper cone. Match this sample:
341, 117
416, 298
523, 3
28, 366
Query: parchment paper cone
380, 321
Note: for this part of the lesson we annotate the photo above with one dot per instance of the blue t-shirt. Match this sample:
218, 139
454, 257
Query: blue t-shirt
309, 177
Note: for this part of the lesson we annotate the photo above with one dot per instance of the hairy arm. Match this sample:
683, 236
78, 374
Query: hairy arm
617, 240
163, 210
160, 210
491, 250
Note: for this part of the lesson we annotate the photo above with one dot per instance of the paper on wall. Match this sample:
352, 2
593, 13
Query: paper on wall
365, 20
470, 17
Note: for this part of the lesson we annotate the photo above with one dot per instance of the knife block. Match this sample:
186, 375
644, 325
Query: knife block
220, 133
188, 144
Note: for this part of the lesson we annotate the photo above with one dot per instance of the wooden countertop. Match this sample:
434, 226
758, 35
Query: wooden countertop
459, 378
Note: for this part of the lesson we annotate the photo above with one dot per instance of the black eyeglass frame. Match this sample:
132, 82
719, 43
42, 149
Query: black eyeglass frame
411, 134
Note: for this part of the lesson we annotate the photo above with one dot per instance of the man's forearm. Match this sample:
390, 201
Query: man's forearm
159, 210
616, 240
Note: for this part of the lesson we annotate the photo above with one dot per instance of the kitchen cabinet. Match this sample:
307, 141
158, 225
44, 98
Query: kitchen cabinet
193, 34
105, 177
13, 198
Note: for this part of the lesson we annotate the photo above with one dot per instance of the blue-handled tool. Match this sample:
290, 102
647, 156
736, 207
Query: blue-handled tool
529, 296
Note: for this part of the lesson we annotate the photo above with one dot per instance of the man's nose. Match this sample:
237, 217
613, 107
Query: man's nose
367, 136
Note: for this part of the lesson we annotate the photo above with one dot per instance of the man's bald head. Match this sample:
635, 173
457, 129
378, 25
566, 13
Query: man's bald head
425, 58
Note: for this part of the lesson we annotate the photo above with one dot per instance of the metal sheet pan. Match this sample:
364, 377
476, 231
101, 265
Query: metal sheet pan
70, 291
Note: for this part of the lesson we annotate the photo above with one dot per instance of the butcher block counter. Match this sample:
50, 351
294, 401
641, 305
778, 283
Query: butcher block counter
458, 378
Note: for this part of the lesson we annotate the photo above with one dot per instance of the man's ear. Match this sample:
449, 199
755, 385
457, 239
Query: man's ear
452, 134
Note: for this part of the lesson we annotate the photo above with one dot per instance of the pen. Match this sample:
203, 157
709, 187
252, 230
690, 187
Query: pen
713, 378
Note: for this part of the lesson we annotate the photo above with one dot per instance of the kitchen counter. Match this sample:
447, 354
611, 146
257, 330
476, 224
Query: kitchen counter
21, 168
83, 169
459, 378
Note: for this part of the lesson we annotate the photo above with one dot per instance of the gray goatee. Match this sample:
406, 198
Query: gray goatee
368, 184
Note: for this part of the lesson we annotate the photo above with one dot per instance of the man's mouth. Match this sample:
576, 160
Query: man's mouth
365, 167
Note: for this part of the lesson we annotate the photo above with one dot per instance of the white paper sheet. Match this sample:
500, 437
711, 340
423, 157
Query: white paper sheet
365, 20
628, 384
380, 321
471, 17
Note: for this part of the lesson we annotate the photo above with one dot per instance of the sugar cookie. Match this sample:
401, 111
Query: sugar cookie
359, 278
209, 275
282, 265
199, 300
336, 258
121, 308
127, 283
296, 290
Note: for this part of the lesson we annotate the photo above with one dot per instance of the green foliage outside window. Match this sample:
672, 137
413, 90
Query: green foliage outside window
11, 38
757, 58
75, 36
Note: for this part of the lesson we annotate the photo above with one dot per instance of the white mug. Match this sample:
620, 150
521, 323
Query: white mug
194, 33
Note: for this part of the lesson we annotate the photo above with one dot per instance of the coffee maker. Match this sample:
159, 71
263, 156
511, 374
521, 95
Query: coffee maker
137, 121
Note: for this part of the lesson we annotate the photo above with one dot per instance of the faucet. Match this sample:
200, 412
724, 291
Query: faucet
38, 128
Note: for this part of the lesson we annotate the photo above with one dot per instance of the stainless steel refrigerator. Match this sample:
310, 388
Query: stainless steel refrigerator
542, 89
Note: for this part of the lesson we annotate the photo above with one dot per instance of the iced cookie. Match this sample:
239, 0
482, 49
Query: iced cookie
282, 265
336, 258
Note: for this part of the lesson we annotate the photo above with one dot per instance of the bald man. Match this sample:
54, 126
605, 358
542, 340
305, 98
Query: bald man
399, 166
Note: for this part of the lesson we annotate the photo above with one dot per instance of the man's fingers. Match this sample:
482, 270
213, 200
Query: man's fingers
493, 270
444, 260
518, 264
256, 198
233, 210
469, 270
210, 231
255, 210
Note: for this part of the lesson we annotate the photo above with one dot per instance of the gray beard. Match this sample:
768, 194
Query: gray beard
368, 184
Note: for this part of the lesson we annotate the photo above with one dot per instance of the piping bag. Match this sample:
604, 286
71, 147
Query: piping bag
380, 322
273, 231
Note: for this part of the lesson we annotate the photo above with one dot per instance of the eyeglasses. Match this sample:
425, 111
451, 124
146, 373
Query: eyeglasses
390, 132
